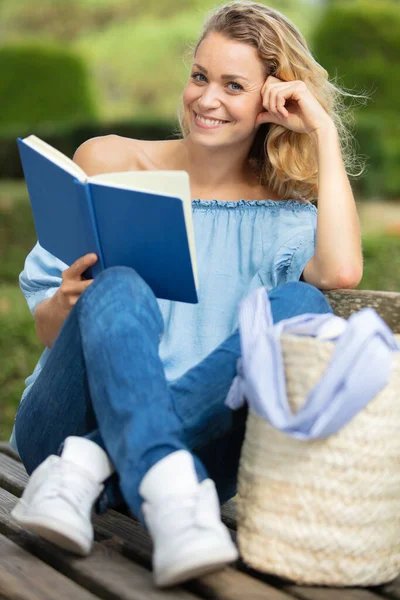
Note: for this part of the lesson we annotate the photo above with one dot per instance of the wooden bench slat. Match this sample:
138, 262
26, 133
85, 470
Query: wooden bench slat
135, 543
26, 577
387, 304
5, 448
13, 476
104, 572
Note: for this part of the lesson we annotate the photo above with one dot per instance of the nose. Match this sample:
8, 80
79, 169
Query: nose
209, 98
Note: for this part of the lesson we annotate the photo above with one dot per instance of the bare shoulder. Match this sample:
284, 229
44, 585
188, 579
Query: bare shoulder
108, 154
157, 154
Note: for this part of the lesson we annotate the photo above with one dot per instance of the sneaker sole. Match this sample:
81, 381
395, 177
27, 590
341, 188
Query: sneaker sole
192, 568
55, 531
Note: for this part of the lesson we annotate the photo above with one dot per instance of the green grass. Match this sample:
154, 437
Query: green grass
19, 347
17, 232
19, 350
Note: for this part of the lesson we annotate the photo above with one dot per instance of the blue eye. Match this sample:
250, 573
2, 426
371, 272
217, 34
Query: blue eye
235, 83
194, 77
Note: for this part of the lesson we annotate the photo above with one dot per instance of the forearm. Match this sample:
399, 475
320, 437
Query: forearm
49, 318
338, 242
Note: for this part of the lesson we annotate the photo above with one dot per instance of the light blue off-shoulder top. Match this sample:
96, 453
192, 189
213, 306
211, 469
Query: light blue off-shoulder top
239, 246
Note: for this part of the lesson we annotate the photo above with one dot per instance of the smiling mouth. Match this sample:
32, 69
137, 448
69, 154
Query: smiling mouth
209, 122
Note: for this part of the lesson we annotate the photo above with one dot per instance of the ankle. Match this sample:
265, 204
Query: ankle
174, 475
89, 456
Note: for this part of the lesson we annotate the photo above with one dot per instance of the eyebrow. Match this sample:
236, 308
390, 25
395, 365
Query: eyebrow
231, 76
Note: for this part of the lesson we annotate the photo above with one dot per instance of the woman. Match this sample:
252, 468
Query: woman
137, 385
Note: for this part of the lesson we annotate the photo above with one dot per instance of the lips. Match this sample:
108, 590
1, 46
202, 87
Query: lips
211, 118
210, 126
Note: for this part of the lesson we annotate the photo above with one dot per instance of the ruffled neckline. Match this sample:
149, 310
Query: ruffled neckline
293, 204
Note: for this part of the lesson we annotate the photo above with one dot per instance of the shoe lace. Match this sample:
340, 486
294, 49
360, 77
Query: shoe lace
73, 484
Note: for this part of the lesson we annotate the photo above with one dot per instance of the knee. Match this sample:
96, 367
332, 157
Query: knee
120, 278
117, 274
118, 283
300, 287
310, 297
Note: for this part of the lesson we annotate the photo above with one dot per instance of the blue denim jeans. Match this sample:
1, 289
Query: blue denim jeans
104, 380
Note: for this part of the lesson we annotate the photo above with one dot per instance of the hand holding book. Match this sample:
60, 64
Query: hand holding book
51, 313
73, 282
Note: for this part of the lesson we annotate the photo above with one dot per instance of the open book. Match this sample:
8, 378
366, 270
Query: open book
138, 219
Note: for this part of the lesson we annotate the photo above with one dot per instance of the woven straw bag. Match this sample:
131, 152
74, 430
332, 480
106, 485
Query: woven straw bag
324, 511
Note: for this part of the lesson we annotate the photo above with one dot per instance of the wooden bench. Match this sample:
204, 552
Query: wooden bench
119, 566
386, 304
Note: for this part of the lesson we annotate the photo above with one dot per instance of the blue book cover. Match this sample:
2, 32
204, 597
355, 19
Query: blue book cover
138, 219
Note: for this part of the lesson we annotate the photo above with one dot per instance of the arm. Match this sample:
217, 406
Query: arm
52, 312
338, 244
48, 320
337, 261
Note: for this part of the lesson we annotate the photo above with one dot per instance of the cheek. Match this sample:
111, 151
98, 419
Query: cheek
189, 95
256, 102
247, 108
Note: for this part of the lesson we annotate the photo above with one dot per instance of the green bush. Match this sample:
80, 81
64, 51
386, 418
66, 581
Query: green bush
378, 136
43, 84
358, 42
381, 263
361, 40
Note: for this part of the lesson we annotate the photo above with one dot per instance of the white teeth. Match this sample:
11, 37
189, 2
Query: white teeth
209, 121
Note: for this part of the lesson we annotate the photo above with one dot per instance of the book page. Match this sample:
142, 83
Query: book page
165, 183
56, 157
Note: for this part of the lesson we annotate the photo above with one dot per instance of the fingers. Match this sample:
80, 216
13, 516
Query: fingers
72, 287
280, 105
276, 99
73, 284
70, 291
276, 92
81, 286
79, 266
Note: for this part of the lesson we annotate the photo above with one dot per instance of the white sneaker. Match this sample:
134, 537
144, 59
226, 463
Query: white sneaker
58, 500
184, 520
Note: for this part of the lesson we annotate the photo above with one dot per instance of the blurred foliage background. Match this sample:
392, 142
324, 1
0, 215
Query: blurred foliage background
74, 69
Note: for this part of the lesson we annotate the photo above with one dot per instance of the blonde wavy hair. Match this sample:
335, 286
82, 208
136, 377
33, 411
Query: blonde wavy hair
284, 160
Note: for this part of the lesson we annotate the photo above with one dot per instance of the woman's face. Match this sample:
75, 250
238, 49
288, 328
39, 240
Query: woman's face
236, 99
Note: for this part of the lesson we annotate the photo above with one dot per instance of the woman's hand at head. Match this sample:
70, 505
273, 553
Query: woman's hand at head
291, 104
73, 283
